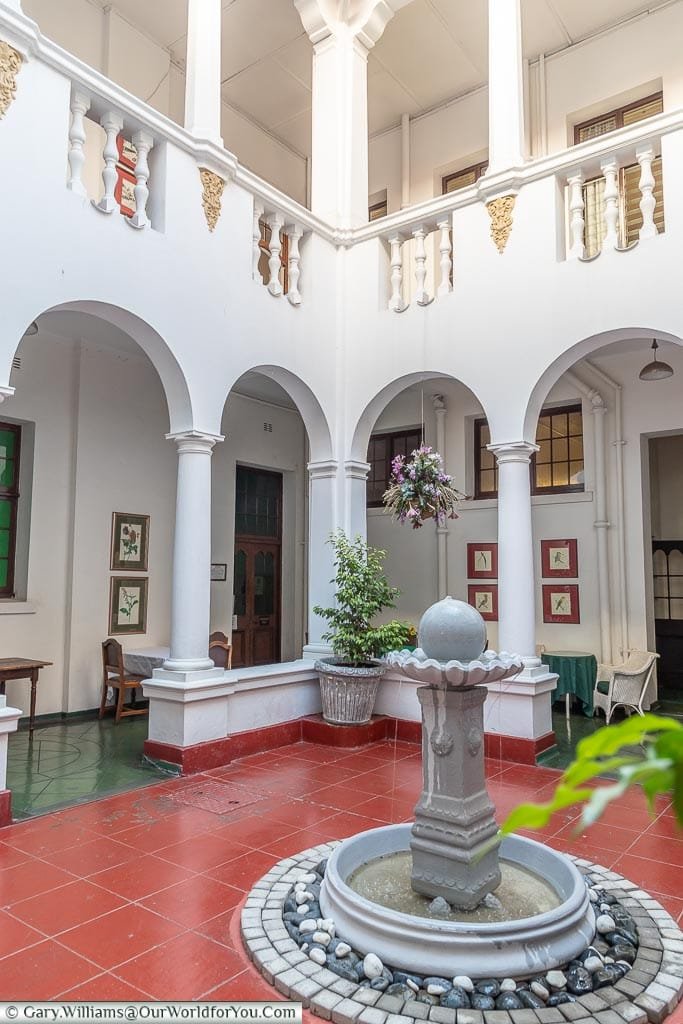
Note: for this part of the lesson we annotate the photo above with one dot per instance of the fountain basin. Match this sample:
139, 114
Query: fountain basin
519, 948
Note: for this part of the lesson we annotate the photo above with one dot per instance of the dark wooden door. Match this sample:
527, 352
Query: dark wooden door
258, 567
667, 563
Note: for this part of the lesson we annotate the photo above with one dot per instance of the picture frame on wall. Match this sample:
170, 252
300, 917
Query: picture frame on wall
482, 561
219, 572
559, 558
561, 602
484, 597
128, 604
129, 542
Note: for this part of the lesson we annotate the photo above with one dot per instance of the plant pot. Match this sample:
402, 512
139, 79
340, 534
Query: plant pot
348, 693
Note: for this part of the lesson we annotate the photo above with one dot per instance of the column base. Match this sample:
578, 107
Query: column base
184, 668
186, 708
312, 652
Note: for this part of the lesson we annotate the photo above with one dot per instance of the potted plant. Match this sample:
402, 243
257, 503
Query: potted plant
419, 489
349, 680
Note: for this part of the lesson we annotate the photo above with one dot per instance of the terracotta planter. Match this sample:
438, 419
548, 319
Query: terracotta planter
348, 693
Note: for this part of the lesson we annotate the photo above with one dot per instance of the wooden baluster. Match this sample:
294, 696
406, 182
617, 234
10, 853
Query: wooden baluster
256, 239
293, 268
275, 222
143, 142
80, 104
396, 301
421, 296
445, 262
610, 170
646, 184
112, 124
577, 223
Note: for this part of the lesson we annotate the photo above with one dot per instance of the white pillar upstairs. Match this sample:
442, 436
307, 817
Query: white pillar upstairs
323, 520
519, 706
506, 86
356, 498
9, 719
339, 174
203, 70
441, 531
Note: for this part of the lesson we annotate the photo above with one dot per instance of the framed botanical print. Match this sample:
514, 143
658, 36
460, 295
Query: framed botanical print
484, 597
129, 542
482, 561
561, 602
559, 558
128, 604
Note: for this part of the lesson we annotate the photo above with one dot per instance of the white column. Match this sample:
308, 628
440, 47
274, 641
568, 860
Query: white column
506, 86
405, 160
610, 169
441, 531
577, 223
356, 498
112, 124
143, 142
323, 519
396, 302
445, 254
192, 555
203, 70
516, 601
645, 157
80, 104
601, 526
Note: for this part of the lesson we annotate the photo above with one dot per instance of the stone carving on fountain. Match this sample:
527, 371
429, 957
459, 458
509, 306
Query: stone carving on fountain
454, 817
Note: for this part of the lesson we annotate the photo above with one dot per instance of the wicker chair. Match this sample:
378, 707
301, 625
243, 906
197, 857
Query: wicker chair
624, 685
220, 650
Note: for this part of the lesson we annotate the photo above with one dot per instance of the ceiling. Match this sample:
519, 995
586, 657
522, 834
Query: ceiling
431, 51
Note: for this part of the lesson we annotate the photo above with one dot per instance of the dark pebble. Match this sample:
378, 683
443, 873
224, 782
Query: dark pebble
579, 981
321, 868
509, 1001
293, 931
379, 984
624, 951
456, 999
529, 1000
591, 951
443, 984
399, 989
480, 1002
424, 997
314, 910
290, 906
293, 917
403, 976
605, 976
559, 998
487, 987
343, 968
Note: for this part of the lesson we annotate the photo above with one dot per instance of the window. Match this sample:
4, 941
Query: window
461, 179
557, 466
377, 210
264, 246
258, 501
630, 217
381, 450
10, 444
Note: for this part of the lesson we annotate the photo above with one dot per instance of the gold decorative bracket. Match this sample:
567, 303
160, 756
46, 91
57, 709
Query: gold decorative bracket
500, 212
212, 194
10, 66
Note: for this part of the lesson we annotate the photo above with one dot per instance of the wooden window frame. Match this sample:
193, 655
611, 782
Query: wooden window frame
11, 494
617, 113
554, 410
478, 169
391, 436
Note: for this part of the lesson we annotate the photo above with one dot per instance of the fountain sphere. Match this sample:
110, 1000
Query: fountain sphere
449, 618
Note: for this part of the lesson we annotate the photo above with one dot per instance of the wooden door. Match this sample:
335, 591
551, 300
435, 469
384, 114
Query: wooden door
667, 563
258, 568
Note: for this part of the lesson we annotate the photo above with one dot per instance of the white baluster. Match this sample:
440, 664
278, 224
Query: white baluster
112, 124
275, 222
577, 223
647, 198
256, 238
293, 269
143, 142
396, 301
80, 104
421, 296
610, 170
445, 262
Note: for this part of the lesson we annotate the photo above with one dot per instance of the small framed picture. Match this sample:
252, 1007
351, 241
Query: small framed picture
561, 602
219, 572
559, 558
129, 542
128, 604
482, 561
484, 597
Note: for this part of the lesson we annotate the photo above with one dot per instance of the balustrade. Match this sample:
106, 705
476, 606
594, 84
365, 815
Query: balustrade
276, 256
427, 249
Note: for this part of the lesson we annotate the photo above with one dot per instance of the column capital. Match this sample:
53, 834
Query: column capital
194, 441
513, 451
440, 407
325, 470
355, 470
364, 19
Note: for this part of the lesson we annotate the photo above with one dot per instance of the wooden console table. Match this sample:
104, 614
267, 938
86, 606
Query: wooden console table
22, 668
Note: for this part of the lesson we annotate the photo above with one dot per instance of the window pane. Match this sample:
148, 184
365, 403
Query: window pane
7, 443
487, 459
5, 513
543, 476
543, 429
4, 568
6, 472
484, 434
661, 609
576, 448
661, 588
643, 110
676, 608
544, 454
559, 424
560, 475
560, 450
264, 583
4, 543
576, 473
257, 503
487, 481
575, 424
597, 128
675, 586
240, 583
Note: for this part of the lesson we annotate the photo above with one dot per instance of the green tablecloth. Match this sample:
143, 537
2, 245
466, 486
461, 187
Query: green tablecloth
577, 673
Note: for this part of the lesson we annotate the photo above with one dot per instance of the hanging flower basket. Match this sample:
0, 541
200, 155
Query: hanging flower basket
420, 489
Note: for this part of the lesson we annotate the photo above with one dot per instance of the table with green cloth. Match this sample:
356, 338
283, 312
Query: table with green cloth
577, 671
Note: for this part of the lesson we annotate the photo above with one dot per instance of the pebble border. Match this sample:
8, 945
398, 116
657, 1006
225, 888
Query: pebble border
648, 993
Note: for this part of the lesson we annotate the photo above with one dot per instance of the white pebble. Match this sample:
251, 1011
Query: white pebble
303, 897
303, 908
300, 887
322, 938
556, 979
593, 896
318, 956
308, 878
372, 966
592, 964
464, 982
508, 985
539, 990
605, 924
609, 960
341, 950
412, 985
307, 926
326, 924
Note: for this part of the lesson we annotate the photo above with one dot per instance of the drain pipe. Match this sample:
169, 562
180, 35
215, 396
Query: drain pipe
601, 522
441, 530
619, 444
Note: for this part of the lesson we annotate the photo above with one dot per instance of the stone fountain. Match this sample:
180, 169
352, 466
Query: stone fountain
442, 891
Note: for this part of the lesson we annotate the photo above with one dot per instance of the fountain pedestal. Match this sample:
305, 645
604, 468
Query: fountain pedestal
454, 816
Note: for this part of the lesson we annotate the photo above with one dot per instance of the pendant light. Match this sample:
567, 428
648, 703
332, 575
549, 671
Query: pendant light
656, 370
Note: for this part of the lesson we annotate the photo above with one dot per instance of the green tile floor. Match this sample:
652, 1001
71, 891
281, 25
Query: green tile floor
76, 760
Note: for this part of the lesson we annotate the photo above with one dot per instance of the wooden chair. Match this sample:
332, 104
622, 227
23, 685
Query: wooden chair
220, 650
114, 674
624, 685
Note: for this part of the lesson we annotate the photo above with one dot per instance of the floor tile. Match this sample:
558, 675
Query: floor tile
194, 901
185, 968
15, 935
247, 985
42, 972
70, 905
651, 874
11, 856
42, 837
120, 936
243, 871
141, 877
203, 852
670, 851
103, 988
176, 828
87, 858
29, 879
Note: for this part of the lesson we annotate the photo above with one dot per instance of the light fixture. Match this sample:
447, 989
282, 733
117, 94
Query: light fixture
31, 329
656, 370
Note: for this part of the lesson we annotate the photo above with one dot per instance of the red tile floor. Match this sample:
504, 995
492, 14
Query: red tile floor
137, 896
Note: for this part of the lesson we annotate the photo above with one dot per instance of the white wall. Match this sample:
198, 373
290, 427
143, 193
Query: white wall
666, 477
